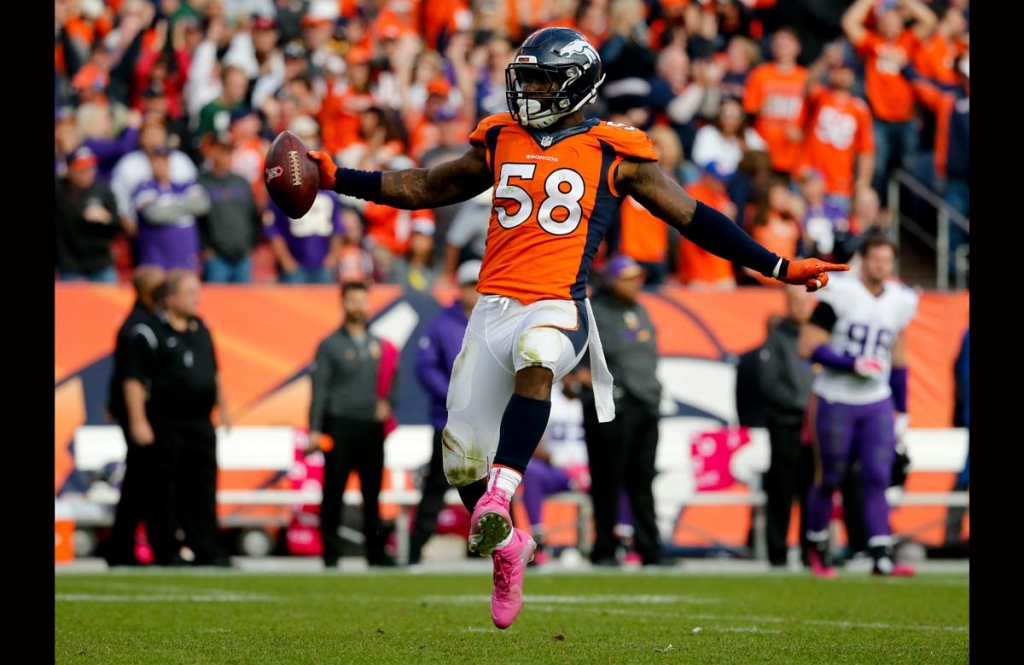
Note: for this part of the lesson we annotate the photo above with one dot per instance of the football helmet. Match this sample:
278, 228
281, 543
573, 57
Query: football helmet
562, 70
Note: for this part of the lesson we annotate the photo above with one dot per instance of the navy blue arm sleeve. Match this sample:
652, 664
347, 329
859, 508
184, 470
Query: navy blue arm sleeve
724, 238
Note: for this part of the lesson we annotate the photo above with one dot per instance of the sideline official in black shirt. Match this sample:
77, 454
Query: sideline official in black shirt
147, 280
171, 389
621, 453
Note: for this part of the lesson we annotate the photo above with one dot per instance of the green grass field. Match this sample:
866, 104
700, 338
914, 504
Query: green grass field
234, 617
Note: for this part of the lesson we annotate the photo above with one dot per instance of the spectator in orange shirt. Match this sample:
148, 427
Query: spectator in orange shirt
92, 78
776, 223
388, 229
343, 105
378, 141
886, 49
776, 99
644, 237
840, 140
443, 18
438, 123
935, 58
698, 268
77, 28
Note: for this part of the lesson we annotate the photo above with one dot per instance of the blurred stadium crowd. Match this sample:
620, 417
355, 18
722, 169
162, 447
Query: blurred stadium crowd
788, 116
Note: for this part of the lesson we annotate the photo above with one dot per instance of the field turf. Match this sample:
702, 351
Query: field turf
383, 617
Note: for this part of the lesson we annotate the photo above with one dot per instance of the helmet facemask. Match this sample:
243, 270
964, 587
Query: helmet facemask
550, 97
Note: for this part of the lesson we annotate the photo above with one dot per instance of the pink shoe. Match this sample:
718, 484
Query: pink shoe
509, 570
541, 558
818, 567
490, 523
632, 559
896, 570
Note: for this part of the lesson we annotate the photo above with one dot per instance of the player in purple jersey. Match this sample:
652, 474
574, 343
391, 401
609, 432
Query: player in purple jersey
857, 334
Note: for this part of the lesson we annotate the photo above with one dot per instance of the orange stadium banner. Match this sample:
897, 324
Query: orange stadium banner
266, 336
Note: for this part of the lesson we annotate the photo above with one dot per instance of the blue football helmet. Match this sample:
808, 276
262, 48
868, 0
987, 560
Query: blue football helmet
567, 62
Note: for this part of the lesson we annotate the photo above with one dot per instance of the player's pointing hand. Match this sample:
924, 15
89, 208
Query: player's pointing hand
812, 273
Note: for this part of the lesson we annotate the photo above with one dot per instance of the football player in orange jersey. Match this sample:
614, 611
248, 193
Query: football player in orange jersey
558, 179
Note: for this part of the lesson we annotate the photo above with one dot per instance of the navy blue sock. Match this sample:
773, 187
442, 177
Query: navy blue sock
471, 493
522, 427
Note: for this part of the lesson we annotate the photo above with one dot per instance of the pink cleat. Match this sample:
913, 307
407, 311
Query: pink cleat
889, 568
541, 558
509, 570
490, 523
819, 567
632, 559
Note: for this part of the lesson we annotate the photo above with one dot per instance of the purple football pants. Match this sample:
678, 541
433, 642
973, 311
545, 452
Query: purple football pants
846, 434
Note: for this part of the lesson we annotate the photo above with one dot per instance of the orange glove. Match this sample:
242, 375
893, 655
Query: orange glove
812, 273
327, 168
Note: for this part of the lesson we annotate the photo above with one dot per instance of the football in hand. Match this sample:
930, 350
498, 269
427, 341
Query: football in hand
292, 179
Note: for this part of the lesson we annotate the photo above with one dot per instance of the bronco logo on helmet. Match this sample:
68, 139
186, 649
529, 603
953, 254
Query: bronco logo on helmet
582, 47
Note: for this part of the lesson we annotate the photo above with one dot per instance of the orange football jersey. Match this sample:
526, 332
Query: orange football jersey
777, 100
840, 129
554, 198
887, 90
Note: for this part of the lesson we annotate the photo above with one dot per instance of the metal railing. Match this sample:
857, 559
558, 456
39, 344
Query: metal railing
945, 215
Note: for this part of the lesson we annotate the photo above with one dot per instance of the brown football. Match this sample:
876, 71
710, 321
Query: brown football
292, 179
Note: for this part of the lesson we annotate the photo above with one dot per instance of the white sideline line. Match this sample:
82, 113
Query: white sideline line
579, 600
164, 598
872, 625
885, 626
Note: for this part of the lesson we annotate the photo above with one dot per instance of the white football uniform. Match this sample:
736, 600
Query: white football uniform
865, 325
503, 337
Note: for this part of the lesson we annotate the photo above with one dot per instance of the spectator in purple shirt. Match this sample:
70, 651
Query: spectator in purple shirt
307, 249
826, 225
99, 132
168, 231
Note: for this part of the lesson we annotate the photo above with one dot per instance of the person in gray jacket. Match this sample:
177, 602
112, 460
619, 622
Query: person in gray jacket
232, 228
347, 418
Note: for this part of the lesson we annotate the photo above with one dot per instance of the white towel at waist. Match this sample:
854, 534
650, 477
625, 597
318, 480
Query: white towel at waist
601, 376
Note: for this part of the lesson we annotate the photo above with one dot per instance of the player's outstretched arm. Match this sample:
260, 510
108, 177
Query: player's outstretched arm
712, 230
410, 189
